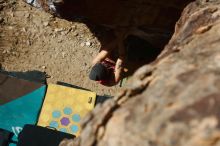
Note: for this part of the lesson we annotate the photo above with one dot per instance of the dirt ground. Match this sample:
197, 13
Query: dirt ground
33, 42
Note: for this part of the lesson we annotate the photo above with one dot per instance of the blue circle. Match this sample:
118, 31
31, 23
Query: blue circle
63, 130
56, 114
74, 128
54, 124
67, 111
76, 117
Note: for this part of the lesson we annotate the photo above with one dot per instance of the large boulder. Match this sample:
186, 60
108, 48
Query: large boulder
173, 101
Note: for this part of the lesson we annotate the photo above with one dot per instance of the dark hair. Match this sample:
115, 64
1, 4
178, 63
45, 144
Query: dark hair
99, 72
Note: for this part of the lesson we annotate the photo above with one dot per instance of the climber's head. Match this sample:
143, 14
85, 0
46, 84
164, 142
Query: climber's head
99, 72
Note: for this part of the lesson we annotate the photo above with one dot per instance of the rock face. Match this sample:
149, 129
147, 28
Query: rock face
118, 13
152, 20
175, 100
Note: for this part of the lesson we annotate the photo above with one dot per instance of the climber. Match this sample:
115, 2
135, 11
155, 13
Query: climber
112, 65
106, 71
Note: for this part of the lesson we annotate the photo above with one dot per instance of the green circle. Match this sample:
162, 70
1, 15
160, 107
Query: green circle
67, 110
56, 114
74, 128
54, 124
76, 118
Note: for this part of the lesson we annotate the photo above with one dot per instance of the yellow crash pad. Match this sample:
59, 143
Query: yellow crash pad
64, 107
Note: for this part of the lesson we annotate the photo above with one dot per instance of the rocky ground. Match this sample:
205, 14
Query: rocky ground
33, 43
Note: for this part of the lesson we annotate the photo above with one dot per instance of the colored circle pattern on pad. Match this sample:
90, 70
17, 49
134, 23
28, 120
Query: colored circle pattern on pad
65, 120
56, 114
76, 118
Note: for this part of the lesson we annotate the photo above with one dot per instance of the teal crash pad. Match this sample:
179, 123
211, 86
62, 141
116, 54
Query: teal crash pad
20, 103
